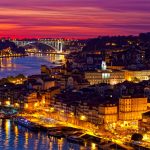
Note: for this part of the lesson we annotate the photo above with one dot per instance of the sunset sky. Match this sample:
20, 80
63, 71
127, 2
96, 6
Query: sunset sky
73, 18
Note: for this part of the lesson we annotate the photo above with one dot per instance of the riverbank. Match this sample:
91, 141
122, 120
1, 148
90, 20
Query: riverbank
13, 55
50, 120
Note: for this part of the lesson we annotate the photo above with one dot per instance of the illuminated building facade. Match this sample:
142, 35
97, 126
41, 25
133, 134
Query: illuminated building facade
105, 76
131, 108
141, 75
30, 100
49, 94
108, 113
116, 76
83, 112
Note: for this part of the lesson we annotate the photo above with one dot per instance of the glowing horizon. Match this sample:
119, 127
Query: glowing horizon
73, 19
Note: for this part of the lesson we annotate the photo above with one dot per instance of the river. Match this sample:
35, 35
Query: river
28, 65
14, 137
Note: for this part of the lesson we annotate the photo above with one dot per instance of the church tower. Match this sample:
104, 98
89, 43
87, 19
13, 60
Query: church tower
103, 65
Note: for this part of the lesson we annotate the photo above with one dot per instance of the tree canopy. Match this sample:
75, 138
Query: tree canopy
137, 137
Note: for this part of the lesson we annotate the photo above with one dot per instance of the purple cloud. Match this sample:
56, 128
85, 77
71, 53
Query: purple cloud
79, 18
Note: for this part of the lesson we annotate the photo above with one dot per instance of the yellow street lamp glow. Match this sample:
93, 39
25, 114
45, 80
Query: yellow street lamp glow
26, 105
16, 105
129, 78
82, 117
62, 111
145, 137
43, 101
7, 102
52, 109
36, 104
93, 146
71, 114
47, 110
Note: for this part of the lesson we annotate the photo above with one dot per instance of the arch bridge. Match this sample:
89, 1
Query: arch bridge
57, 45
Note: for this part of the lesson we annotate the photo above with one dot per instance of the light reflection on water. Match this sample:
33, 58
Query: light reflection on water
13, 137
26, 65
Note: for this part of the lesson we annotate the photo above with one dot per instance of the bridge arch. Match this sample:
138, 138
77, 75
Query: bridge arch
56, 45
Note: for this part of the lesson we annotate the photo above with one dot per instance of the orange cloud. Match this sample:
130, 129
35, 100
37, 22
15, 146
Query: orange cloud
9, 27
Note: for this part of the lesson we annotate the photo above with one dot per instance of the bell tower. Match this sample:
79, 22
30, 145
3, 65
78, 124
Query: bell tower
103, 65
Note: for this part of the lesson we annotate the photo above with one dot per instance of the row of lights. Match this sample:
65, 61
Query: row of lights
8, 103
82, 117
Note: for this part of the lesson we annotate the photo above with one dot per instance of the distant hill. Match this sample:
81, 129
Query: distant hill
6, 44
115, 42
106, 42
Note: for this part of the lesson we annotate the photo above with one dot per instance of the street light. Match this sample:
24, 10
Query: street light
62, 111
16, 105
26, 106
43, 102
7, 103
36, 104
82, 117
52, 109
71, 114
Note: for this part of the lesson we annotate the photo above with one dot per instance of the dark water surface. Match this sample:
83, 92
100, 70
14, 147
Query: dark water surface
26, 65
14, 137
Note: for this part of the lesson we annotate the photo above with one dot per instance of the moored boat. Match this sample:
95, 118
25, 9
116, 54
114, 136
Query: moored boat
26, 123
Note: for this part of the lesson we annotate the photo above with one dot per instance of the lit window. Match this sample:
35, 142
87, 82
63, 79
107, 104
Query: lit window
105, 75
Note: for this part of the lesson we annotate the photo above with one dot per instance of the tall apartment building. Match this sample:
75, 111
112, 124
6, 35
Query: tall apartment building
131, 108
108, 113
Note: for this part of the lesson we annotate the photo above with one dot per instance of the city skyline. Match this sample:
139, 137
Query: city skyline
73, 19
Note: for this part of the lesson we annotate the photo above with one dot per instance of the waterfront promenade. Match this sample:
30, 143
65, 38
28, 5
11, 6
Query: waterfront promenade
55, 119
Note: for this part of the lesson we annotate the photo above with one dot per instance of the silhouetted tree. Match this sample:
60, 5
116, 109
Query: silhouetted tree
137, 137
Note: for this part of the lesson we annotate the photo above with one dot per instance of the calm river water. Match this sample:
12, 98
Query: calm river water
14, 137
26, 65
